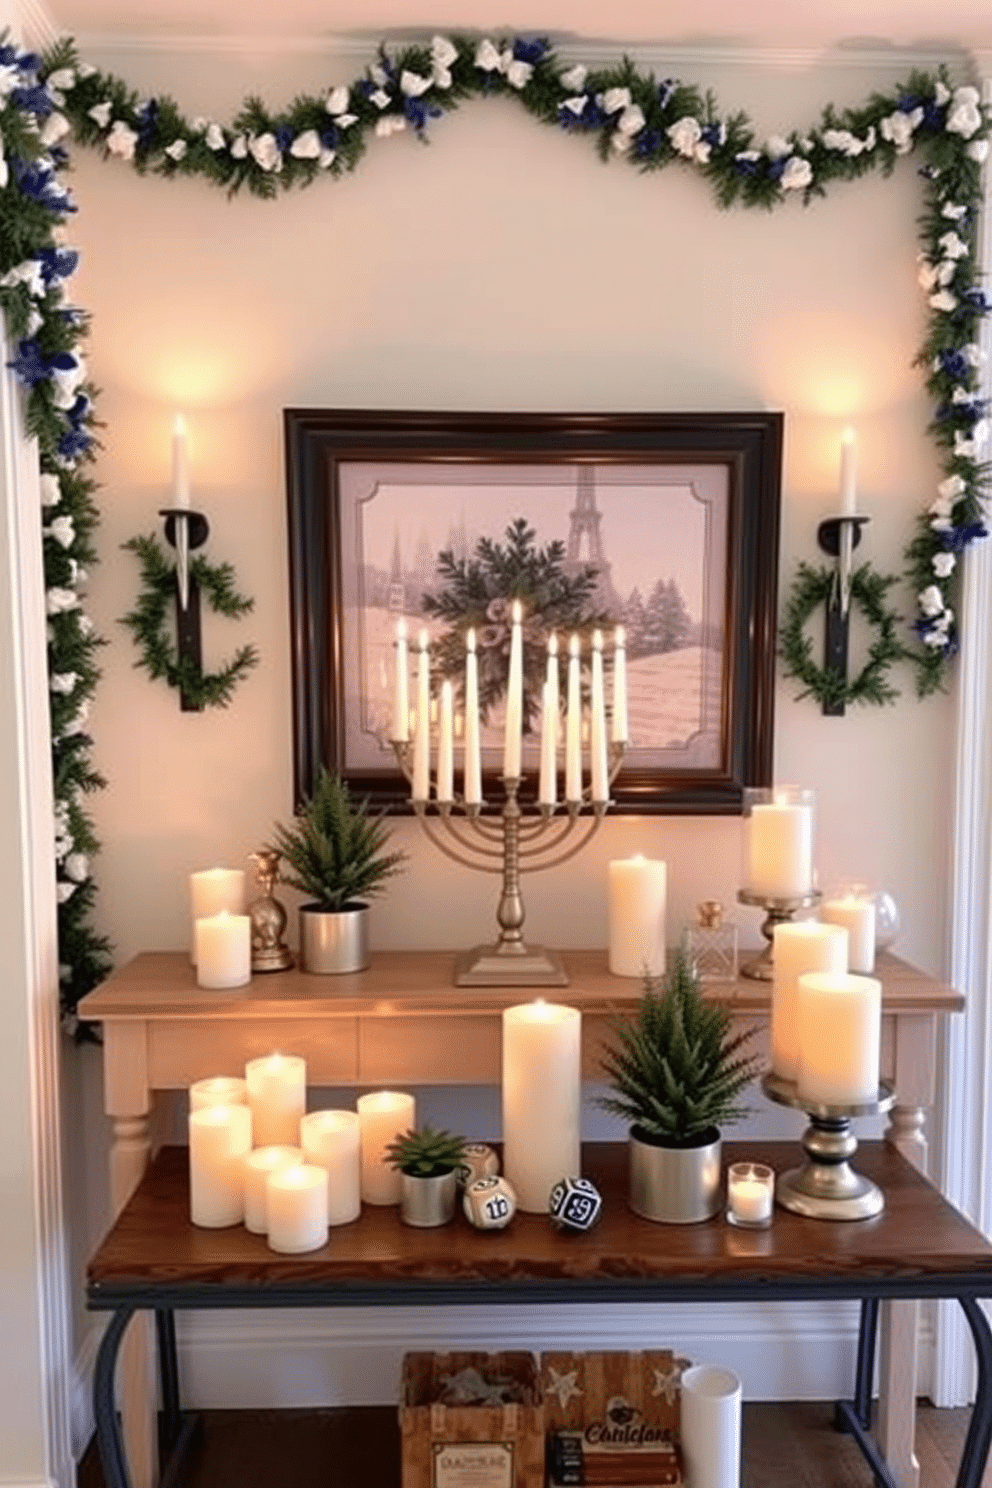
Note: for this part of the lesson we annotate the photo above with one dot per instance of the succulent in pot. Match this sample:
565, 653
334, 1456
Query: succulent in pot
336, 853
429, 1162
677, 1067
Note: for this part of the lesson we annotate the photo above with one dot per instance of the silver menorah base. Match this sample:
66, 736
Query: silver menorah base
507, 966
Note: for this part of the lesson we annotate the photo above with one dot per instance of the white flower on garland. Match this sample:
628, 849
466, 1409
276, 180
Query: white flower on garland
4, 167
100, 113
389, 124
59, 83
265, 151
85, 624
176, 150
64, 891
487, 57
326, 158
685, 134
380, 98
631, 121
964, 116
776, 148
899, 127
575, 78
953, 212
614, 99
953, 488
214, 137
239, 146
969, 447
412, 84
66, 382
750, 157
943, 300
576, 105
122, 140
198, 125
28, 272
941, 94
57, 601
55, 127
77, 867
306, 146
444, 54
62, 682
518, 73
943, 564
952, 246
978, 150
798, 174
337, 101
62, 530
51, 493
931, 601
847, 143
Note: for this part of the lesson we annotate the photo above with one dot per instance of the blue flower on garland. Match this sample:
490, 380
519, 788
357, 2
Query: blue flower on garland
34, 99
74, 442
530, 51
30, 366
147, 123
57, 263
978, 299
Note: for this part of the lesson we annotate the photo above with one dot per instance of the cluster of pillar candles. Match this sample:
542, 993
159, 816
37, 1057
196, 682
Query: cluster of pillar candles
258, 1158
421, 718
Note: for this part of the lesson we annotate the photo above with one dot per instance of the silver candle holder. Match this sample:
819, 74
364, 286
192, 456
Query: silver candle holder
510, 844
826, 1186
777, 912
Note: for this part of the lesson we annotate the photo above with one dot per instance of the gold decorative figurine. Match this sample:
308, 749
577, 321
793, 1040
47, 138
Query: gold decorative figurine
268, 916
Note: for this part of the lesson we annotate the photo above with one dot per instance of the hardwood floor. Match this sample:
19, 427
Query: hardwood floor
785, 1446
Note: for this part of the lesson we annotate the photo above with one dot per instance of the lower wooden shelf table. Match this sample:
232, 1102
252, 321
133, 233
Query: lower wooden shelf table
919, 1247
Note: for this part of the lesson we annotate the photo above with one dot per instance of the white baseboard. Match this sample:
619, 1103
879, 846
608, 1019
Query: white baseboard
352, 1356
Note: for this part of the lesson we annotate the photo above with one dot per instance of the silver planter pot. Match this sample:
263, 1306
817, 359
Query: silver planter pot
427, 1202
333, 941
675, 1185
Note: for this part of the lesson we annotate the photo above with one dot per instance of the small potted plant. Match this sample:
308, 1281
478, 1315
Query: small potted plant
677, 1069
335, 852
429, 1161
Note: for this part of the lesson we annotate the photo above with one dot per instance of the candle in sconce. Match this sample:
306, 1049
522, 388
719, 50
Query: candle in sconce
542, 1099
599, 769
840, 1029
180, 463
573, 726
547, 786
218, 1090
296, 1209
422, 732
223, 950
259, 1166
848, 467
333, 1140
277, 1094
219, 1142
384, 1115
619, 730
446, 746
401, 687
473, 753
514, 698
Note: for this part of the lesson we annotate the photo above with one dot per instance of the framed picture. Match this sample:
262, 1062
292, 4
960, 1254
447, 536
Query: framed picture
657, 529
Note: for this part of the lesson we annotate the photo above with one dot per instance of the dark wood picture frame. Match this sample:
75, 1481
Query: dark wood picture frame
321, 444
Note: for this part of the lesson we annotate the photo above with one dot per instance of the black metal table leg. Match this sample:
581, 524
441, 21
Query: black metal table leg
108, 1431
168, 1369
864, 1375
976, 1444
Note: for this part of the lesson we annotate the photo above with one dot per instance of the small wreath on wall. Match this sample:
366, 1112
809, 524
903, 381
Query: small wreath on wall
158, 653
811, 589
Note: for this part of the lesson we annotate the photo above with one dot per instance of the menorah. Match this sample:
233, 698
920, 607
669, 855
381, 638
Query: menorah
512, 843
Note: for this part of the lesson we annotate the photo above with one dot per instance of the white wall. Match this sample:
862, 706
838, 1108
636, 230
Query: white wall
503, 268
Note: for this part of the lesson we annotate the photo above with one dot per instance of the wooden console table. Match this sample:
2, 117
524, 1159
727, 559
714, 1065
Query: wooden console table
919, 1247
403, 1022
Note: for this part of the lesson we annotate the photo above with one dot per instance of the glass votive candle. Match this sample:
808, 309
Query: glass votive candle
777, 842
750, 1195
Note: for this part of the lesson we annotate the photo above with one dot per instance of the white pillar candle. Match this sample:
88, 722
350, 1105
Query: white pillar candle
514, 698
219, 1142
277, 1094
779, 849
857, 915
296, 1209
711, 1426
599, 769
401, 687
446, 745
473, 752
637, 890
619, 722
332, 1140
180, 463
750, 1193
840, 1033
259, 1166
223, 950
384, 1115
218, 1090
214, 889
547, 789
422, 730
542, 1097
848, 469
797, 947
573, 726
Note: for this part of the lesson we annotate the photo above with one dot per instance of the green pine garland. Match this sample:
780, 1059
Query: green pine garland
148, 624
811, 590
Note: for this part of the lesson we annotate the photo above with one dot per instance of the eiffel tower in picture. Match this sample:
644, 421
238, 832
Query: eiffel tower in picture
585, 542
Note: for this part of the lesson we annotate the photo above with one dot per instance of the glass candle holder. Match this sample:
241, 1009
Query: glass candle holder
777, 841
750, 1195
852, 905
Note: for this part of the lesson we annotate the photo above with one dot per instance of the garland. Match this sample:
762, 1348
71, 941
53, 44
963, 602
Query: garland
148, 624
812, 589
627, 114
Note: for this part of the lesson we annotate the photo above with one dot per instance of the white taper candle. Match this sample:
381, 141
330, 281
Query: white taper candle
573, 726
473, 754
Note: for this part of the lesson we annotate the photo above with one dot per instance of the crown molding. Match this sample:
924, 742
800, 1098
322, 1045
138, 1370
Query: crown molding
35, 23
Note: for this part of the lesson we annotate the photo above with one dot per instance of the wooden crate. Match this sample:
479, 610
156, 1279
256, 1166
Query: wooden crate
621, 1412
471, 1446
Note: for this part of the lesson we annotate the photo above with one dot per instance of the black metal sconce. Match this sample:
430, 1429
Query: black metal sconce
839, 536
186, 530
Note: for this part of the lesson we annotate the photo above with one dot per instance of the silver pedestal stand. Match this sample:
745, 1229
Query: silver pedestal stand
827, 1187
777, 912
